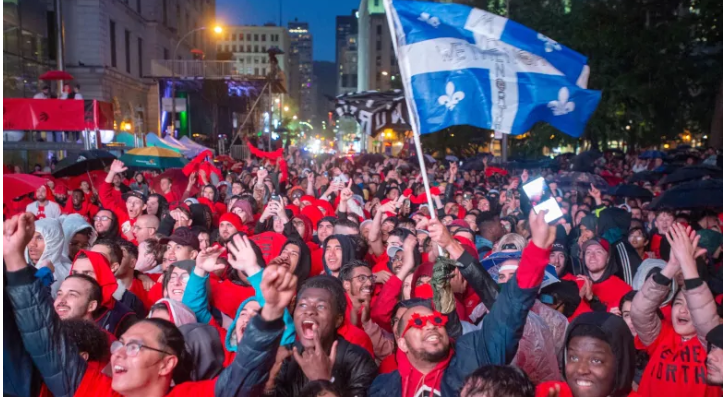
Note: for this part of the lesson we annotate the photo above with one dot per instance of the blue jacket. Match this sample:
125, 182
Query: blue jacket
495, 344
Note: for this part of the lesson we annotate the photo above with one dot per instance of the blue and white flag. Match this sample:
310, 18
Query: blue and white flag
462, 65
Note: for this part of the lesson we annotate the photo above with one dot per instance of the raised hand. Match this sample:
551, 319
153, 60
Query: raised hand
525, 176
594, 192
117, 167
543, 235
278, 287
242, 256
206, 261
261, 175
191, 180
346, 193
17, 233
684, 247
439, 233
586, 289
315, 363
382, 276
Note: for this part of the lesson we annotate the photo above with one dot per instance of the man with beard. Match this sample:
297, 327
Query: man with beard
79, 296
79, 205
714, 361
228, 225
128, 212
42, 207
427, 362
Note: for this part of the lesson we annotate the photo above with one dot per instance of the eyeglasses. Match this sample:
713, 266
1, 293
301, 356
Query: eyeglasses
183, 278
133, 348
364, 278
417, 321
101, 218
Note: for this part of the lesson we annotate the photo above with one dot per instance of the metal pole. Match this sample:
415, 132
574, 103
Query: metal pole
173, 78
504, 136
248, 115
59, 42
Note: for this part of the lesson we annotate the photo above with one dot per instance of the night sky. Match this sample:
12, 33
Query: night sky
320, 14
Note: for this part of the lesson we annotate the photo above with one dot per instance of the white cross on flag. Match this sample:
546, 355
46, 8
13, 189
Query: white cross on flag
462, 65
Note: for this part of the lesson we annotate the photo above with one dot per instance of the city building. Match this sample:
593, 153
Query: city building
248, 46
325, 82
377, 62
301, 78
346, 52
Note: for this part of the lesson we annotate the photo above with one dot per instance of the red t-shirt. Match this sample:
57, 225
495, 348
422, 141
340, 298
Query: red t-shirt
676, 368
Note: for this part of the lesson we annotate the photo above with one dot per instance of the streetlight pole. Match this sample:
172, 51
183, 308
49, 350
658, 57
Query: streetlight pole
173, 73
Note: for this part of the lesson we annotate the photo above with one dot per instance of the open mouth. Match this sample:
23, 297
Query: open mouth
177, 292
62, 310
119, 370
307, 329
683, 321
583, 383
367, 290
433, 337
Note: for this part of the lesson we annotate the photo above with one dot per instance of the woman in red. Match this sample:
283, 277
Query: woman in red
677, 356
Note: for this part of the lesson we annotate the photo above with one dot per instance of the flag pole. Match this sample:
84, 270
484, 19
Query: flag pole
504, 136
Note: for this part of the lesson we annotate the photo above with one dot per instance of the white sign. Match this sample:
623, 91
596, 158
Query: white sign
167, 104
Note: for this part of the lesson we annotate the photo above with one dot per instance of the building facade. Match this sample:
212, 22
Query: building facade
376, 60
110, 45
301, 78
248, 46
346, 52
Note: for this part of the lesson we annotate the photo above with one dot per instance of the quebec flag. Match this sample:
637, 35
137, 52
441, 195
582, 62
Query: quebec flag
462, 65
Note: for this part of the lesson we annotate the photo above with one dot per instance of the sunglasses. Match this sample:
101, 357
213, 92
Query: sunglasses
417, 321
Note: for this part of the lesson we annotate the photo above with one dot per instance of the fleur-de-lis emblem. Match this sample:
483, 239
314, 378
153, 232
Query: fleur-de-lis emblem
562, 106
452, 98
425, 17
550, 44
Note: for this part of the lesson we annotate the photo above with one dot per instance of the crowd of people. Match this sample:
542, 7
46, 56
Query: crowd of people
290, 274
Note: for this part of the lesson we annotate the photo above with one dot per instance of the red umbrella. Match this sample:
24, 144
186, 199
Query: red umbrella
180, 181
56, 75
94, 178
16, 185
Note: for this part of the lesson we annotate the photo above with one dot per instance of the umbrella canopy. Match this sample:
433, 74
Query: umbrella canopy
632, 191
451, 158
16, 185
585, 161
691, 173
645, 176
153, 158
81, 163
94, 178
582, 180
652, 154
706, 194
56, 75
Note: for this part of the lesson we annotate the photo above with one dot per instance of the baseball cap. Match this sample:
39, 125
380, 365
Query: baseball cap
184, 236
392, 250
500, 257
558, 247
136, 194
594, 241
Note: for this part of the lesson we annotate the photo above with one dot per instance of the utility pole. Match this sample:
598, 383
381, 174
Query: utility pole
59, 42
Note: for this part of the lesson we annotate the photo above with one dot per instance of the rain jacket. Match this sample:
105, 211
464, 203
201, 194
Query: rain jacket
613, 225
179, 313
66, 373
496, 343
230, 342
204, 346
87, 210
52, 232
676, 367
72, 224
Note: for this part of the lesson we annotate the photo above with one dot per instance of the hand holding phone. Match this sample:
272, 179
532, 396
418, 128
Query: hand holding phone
541, 199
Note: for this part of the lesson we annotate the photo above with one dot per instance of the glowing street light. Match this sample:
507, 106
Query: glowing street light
286, 108
295, 117
217, 29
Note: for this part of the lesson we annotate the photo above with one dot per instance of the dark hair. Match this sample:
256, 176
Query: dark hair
485, 218
329, 219
249, 199
171, 340
116, 254
627, 298
588, 330
113, 230
347, 269
392, 219
347, 223
331, 284
130, 248
641, 230
498, 381
407, 304
409, 222
87, 336
359, 244
317, 387
95, 293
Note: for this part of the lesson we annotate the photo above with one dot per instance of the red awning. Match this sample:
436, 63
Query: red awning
56, 114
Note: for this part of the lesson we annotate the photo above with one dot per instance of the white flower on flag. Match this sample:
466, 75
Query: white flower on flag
452, 98
550, 44
425, 17
562, 106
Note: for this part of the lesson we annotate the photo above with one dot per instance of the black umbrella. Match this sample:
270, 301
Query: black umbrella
645, 176
692, 173
705, 194
583, 180
632, 191
85, 161
585, 161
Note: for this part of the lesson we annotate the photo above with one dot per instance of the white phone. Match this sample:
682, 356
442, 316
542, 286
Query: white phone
539, 194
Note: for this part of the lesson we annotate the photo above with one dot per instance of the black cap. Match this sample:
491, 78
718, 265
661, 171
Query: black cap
186, 237
136, 194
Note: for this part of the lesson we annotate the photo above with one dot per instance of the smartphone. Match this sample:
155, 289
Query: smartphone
275, 198
461, 163
541, 199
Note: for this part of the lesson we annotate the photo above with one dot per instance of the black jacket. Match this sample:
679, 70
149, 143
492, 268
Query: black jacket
354, 371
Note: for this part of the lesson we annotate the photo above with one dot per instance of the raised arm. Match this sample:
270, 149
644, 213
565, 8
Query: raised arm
701, 303
196, 294
105, 192
57, 359
643, 311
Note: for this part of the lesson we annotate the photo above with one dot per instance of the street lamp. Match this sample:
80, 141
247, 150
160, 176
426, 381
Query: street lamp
286, 108
295, 117
216, 29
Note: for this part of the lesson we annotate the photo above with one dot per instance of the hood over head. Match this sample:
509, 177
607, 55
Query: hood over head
308, 227
103, 274
613, 330
303, 268
201, 215
613, 224
230, 341
347, 249
52, 232
203, 343
180, 314
73, 224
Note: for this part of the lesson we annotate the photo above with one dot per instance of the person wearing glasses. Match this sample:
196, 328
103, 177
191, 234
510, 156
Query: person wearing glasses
105, 223
146, 226
151, 355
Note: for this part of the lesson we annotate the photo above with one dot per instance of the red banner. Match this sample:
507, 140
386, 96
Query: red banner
56, 114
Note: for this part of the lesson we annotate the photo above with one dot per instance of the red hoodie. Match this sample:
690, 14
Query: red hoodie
414, 382
87, 210
118, 206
